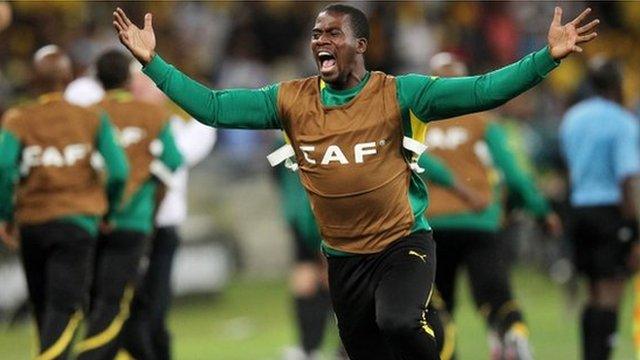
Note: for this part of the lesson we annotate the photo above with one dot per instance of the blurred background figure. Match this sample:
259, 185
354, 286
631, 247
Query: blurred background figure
47, 148
5, 15
146, 330
308, 281
147, 323
473, 148
601, 146
144, 132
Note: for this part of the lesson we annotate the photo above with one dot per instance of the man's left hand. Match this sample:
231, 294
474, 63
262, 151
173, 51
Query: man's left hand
565, 39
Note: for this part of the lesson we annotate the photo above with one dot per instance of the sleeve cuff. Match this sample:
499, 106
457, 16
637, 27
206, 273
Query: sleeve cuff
544, 63
156, 69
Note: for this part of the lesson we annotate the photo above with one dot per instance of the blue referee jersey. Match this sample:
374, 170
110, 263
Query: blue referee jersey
600, 142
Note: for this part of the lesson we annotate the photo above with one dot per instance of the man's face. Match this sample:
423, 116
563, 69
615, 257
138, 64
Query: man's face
334, 46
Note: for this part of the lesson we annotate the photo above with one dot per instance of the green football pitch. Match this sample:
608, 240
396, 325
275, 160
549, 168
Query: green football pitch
252, 319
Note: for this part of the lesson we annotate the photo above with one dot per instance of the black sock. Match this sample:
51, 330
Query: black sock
311, 316
502, 315
598, 331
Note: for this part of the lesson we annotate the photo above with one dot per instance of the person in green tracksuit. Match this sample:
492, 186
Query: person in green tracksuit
473, 149
145, 134
355, 134
308, 283
51, 190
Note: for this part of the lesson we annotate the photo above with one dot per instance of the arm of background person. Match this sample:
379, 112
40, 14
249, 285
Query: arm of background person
10, 149
171, 156
436, 171
626, 164
194, 140
115, 160
518, 181
440, 174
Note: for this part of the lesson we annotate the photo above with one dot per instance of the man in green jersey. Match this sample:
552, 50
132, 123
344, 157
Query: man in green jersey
473, 149
353, 134
145, 134
308, 281
47, 162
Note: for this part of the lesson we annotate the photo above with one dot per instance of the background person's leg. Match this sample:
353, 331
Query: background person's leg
68, 275
114, 283
489, 278
312, 305
602, 243
311, 301
449, 252
33, 246
600, 318
489, 275
156, 287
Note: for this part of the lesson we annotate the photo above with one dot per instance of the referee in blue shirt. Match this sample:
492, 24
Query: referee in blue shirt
600, 141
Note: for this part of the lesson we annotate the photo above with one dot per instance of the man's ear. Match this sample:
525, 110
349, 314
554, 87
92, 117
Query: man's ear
361, 46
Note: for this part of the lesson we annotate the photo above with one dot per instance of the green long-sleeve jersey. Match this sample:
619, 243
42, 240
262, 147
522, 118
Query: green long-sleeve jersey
106, 144
136, 214
517, 181
420, 98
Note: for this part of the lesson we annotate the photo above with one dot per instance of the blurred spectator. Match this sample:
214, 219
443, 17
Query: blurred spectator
151, 304
601, 145
5, 15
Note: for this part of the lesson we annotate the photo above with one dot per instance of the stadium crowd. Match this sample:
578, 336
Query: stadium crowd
483, 34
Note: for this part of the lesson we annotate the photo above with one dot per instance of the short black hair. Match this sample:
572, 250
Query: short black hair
113, 69
359, 21
605, 75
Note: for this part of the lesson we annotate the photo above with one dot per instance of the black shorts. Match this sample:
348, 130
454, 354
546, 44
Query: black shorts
602, 241
373, 293
484, 254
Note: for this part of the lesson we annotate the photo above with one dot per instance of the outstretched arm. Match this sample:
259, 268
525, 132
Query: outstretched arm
10, 148
440, 174
115, 161
441, 98
236, 108
519, 182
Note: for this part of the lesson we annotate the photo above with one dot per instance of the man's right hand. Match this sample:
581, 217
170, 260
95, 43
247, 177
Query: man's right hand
141, 42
